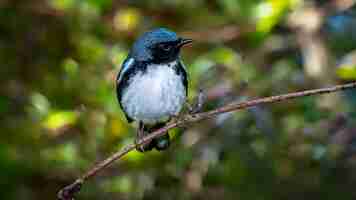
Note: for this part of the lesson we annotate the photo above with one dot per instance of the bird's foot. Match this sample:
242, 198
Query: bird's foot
198, 103
143, 147
192, 109
140, 134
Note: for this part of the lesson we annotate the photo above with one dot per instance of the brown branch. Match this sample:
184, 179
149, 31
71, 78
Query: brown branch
68, 192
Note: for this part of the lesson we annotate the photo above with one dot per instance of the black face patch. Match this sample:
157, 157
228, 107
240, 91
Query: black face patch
165, 51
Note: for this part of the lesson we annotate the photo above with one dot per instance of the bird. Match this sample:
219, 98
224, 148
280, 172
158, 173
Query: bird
152, 84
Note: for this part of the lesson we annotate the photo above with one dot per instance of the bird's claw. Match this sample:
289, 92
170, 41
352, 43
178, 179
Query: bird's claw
198, 103
143, 147
140, 134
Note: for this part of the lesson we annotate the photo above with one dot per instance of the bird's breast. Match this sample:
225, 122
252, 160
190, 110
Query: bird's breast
154, 95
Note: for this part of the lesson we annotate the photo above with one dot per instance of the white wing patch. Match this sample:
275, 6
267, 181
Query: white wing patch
127, 64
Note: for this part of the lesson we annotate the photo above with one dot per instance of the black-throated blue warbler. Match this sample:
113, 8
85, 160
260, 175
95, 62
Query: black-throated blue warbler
152, 83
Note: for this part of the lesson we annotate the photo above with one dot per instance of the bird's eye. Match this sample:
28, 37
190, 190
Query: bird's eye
165, 47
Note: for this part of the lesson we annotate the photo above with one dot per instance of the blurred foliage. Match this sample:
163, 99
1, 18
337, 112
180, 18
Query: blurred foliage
59, 113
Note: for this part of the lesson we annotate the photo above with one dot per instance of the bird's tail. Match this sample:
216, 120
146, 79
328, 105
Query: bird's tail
160, 143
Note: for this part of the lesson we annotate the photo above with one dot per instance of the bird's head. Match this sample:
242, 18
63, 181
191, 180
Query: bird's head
158, 46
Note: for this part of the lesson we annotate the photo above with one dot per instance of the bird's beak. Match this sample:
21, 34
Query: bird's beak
184, 41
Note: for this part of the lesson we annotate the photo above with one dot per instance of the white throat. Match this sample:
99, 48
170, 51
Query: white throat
154, 95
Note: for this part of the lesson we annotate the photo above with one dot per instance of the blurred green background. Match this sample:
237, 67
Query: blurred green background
59, 113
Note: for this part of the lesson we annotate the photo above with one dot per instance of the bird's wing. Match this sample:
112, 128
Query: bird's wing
121, 82
128, 63
183, 72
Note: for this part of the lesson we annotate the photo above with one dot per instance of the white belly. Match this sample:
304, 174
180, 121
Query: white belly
154, 97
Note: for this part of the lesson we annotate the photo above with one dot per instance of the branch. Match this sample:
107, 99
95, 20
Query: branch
68, 192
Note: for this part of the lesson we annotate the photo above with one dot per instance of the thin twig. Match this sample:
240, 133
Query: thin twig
68, 192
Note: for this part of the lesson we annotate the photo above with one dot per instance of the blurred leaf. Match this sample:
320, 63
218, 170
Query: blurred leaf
127, 19
134, 156
4, 104
200, 66
62, 4
241, 9
117, 56
40, 105
90, 48
346, 72
123, 184
319, 152
268, 13
118, 128
101, 4
59, 119
184, 158
226, 56
346, 68
70, 67
64, 155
